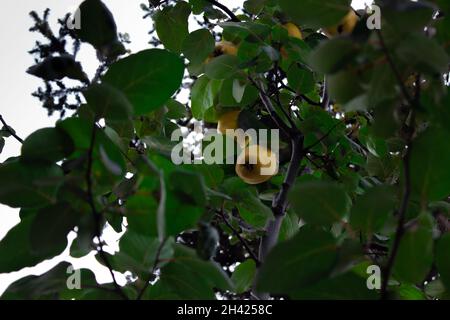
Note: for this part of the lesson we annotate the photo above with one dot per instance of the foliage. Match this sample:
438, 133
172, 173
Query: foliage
363, 176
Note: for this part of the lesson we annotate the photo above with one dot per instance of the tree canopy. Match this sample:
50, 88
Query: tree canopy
361, 178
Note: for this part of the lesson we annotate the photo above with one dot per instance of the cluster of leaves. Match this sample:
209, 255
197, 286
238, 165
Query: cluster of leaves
372, 186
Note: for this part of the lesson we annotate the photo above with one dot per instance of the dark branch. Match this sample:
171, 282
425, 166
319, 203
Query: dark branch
10, 130
323, 137
225, 9
409, 128
394, 69
152, 273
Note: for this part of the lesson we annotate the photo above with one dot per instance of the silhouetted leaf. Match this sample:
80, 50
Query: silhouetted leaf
47, 144
29, 184
108, 102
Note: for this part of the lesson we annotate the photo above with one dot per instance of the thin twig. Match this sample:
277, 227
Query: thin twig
400, 230
97, 216
324, 136
155, 266
10, 130
271, 110
394, 69
242, 240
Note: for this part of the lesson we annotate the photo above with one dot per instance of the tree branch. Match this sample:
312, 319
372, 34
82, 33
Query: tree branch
225, 9
394, 69
152, 273
409, 127
97, 215
279, 205
10, 130
271, 110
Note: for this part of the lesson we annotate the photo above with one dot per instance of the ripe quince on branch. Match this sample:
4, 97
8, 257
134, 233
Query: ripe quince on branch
256, 164
346, 25
221, 48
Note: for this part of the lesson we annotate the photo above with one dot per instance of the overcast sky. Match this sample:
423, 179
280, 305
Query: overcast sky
24, 112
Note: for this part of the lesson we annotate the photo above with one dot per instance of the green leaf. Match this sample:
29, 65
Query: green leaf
189, 187
137, 253
243, 276
222, 67
47, 144
2, 144
212, 174
141, 214
235, 93
344, 86
108, 102
423, 53
315, 14
331, 55
430, 156
181, 216
50, 227
192, 278
15, 248
299, 262
319, 202
382, 87
176, 110
301, 80
415, 253
172, 25
251, 208
203, 94
409, 292
29, 184
348, 286
254, 6
443, 259
148, 78
371, 210
198, 45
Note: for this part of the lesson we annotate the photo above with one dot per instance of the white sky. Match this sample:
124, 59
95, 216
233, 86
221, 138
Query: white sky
24, 112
